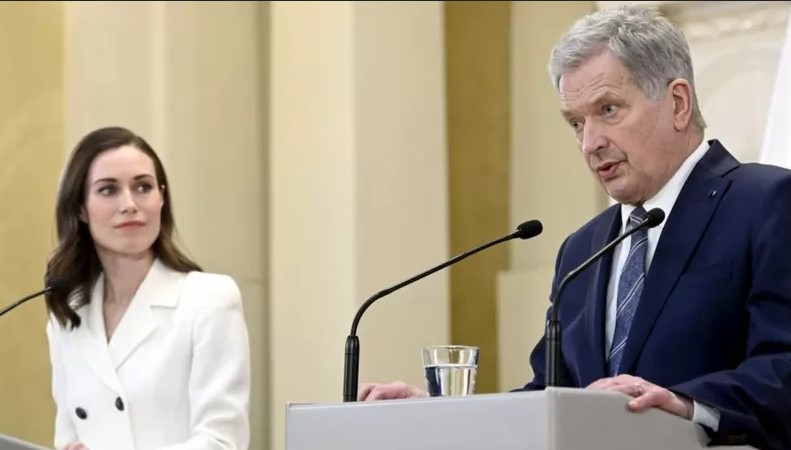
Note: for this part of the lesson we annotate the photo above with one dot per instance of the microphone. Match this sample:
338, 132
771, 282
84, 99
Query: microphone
552, 375
55, 284
351, 364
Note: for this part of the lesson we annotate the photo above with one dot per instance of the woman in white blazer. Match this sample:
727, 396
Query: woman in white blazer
148, 352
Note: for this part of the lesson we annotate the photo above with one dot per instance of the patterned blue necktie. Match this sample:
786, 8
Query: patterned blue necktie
630, 287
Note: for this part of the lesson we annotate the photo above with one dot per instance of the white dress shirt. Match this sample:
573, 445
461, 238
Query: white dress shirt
664, 199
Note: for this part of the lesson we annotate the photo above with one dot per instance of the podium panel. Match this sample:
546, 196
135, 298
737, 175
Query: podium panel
554, 419
9, 443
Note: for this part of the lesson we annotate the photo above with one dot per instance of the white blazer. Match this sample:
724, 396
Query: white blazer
175, 375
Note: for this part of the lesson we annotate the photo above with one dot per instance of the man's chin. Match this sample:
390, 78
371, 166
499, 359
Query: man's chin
619, 195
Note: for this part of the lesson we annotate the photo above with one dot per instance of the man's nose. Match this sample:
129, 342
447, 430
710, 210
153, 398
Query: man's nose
593, 139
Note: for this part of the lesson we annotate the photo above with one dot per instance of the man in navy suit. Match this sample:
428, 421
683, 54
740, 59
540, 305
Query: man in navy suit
692, 316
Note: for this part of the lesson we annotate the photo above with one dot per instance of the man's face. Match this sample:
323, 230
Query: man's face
628, 140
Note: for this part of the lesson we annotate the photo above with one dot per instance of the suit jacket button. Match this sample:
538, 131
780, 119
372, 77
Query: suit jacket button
119, 404
81, 413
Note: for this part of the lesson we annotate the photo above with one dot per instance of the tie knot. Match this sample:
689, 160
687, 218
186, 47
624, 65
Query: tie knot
637, 216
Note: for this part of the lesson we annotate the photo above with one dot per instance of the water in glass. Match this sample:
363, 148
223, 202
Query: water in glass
451, 379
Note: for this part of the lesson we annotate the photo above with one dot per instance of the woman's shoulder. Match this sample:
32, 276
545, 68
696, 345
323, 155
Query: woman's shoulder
194, 281
210, 280
211, 287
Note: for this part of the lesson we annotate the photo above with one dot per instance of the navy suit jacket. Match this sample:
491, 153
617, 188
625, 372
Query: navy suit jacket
714, 319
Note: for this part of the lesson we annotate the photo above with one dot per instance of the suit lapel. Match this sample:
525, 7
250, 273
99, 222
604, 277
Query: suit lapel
685, 226
91, 338
595, 303
160, 288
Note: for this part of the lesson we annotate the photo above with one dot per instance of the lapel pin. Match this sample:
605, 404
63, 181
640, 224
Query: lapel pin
712, 193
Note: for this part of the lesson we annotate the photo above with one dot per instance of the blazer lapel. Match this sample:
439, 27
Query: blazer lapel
685, 226
91, 338
160, 288
595, 304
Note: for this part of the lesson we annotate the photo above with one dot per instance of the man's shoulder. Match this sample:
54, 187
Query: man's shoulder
756, 180
761, 172
724, 163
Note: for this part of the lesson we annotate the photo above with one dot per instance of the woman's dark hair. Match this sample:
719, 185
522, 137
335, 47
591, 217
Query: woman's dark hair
75, 263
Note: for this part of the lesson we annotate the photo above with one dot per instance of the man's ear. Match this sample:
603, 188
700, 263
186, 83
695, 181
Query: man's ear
681, 94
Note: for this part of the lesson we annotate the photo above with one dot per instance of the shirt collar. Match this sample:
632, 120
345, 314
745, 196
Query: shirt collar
666, 197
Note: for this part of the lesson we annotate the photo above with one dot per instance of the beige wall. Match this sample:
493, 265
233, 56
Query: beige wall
511, 159
31, 133
549, 182
478, 43
358, 193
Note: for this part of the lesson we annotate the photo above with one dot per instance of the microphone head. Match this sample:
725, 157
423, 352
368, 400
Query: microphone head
654, 217
58, 284
531, 228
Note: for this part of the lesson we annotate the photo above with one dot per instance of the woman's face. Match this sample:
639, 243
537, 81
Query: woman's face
123, 202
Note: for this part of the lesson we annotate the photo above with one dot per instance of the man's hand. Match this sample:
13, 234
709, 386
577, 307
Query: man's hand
646, 395
391, 391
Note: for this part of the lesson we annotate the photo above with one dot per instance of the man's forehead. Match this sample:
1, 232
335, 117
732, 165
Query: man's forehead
580, 79
590, 91
602, 65
597, 85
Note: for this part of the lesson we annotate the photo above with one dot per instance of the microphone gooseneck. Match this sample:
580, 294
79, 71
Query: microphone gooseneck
56, 284
552, 374
351, 364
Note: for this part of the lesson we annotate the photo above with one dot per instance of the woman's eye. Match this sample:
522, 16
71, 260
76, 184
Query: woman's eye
107, 190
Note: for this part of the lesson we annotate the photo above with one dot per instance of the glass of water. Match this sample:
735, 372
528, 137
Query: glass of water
450, 369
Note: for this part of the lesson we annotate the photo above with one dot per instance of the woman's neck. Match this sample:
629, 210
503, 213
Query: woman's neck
123, 275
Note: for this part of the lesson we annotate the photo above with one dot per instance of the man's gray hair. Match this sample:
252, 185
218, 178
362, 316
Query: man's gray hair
647, 43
